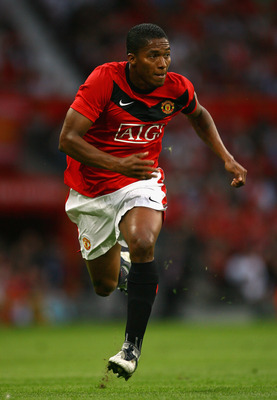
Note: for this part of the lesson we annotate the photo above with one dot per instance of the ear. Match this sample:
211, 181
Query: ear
131, 58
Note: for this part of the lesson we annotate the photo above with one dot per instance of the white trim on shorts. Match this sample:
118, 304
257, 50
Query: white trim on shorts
98, 218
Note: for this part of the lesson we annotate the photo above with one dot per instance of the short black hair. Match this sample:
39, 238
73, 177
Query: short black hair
139, 35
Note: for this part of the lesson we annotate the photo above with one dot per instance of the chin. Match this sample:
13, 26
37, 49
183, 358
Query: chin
157, 84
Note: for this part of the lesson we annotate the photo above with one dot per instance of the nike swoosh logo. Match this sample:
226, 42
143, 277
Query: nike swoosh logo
125, 104
155, 201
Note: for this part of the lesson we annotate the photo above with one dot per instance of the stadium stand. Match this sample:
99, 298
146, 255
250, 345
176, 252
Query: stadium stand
228, 49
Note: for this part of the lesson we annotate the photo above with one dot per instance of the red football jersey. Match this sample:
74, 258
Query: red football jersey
125, 120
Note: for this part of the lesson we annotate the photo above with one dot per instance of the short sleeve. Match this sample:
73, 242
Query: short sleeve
94, 94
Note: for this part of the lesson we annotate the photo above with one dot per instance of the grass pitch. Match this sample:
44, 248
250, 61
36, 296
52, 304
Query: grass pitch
179, 361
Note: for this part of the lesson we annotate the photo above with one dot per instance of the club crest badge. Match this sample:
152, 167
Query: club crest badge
167, 107
86, 243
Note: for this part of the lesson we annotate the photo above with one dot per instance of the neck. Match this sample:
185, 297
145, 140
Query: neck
136, 84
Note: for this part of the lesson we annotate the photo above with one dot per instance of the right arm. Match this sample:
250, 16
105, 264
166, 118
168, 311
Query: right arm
72, 143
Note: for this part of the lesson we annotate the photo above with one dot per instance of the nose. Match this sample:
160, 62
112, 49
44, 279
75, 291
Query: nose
162, 62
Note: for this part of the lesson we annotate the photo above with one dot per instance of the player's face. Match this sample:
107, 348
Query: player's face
148, 68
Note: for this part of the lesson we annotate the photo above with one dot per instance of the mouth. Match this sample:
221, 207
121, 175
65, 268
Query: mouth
161, 76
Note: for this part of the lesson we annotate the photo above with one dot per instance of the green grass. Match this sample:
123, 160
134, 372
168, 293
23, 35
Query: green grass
179, 361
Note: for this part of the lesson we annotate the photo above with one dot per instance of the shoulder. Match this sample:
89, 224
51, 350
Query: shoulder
176, 85
107, 71
100, 81
176, 79
183, 89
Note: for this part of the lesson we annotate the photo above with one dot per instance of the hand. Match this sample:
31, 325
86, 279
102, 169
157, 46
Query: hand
136, 166
236, 169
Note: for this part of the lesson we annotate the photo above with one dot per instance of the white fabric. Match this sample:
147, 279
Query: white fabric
98, 218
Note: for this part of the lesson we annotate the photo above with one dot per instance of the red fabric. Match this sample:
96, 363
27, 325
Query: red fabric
118, 132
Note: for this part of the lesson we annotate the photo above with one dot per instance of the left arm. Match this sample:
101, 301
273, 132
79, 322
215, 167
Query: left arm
205, 128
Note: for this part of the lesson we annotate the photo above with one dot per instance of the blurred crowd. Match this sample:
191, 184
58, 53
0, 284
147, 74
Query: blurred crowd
232, 41
31, 277
218, 244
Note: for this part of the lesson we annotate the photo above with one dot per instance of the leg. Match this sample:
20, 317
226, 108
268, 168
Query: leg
140, 228
104, 271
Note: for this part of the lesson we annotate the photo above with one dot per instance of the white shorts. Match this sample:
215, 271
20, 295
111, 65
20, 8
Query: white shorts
98, 218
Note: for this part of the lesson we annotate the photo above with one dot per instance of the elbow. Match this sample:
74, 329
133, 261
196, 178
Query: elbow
61, 146
63, 143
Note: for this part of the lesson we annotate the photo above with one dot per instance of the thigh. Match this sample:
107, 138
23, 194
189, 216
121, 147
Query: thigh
105, 268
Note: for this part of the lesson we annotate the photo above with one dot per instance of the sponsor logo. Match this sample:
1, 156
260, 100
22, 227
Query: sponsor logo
138, 133
86, 243
167, 107
125, 104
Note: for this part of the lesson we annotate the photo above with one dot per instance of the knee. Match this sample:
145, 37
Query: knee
142, 248
104, 288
